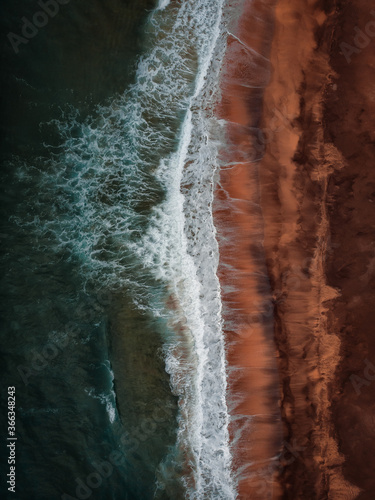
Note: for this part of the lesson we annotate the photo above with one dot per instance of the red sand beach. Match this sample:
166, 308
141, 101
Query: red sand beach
295, 216
243, 274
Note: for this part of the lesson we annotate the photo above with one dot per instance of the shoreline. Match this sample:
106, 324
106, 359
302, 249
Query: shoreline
297, 290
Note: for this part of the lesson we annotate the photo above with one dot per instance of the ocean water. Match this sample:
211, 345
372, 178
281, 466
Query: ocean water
112, 321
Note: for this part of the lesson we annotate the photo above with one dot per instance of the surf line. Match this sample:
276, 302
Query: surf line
196, 360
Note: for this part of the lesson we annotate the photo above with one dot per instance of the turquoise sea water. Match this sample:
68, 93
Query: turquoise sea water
111, 309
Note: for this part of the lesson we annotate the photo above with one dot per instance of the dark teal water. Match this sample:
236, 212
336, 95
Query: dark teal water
112, 327
85, 360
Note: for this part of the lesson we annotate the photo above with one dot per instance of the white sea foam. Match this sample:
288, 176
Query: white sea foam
182, 249
163, 4
106, 399
161, 136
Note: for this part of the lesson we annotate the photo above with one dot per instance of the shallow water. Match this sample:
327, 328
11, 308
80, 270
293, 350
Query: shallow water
112, 318
59, 327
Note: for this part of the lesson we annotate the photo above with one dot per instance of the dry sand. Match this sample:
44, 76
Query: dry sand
295, 211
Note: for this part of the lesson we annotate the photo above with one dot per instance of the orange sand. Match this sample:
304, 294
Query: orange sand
253, 380
286, 259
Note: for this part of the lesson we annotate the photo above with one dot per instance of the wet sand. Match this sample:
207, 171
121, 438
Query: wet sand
248, 308
295, 212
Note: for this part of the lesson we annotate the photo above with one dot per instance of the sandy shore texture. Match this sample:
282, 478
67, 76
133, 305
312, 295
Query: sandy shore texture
254, 388
295, 211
